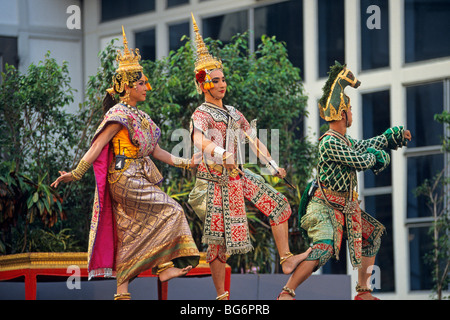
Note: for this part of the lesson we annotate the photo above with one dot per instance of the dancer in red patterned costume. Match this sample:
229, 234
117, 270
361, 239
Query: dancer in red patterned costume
222, 186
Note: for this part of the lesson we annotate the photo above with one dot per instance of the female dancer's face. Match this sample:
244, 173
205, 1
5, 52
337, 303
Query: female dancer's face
220, 85
139, 91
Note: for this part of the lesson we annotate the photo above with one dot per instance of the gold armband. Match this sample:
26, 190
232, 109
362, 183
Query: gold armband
81, 169
181, 162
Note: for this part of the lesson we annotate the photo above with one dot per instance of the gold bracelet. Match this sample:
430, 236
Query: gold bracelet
362, 288
289, 291
80, 170
181, 162
164, 267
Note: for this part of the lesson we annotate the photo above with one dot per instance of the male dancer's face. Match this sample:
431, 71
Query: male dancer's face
220, 85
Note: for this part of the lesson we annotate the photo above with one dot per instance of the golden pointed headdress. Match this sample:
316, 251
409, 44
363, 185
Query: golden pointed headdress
205, 62
129, 60
128, 67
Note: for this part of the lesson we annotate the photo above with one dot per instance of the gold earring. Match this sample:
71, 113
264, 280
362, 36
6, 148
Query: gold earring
126, 97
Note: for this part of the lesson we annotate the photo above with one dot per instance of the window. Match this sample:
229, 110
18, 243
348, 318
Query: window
146, 42
174, 3
378, 188
380, 207
376, 119
331, 34
421, 168
420, 243
115, 9
425, 158
374, 42
226, 26
283, 20
423, 102
424, 161
426, 29
8, 53
176, 32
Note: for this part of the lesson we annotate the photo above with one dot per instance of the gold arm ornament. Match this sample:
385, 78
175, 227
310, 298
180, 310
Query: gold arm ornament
181, 162
80, 170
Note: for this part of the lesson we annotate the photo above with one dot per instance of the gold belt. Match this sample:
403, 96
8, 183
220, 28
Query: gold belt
216, 167
220, 168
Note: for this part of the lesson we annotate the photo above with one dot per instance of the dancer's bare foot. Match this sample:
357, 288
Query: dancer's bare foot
291, 263
173, 272
365, 296
286, 294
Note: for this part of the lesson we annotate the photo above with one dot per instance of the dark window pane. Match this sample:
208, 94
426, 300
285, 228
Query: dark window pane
226, 26
420, 243
331, 34
285, 21
176, 31
374, 42
427, 28
115, 9
8, 52
419, 169
423, 102
380, 207
146, 42
376, 119
174, 3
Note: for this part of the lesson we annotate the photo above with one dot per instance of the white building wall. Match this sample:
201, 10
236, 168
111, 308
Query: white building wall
40, 26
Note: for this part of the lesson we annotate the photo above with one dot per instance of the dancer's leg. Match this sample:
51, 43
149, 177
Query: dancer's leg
364, 274
122, 292
218, 275
173, 272
280, 234
303, 271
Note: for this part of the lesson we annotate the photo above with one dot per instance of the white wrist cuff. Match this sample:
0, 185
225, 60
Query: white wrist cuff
218, 152
274, 164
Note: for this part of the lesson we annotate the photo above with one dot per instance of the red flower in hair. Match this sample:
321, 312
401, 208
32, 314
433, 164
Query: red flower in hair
200, 76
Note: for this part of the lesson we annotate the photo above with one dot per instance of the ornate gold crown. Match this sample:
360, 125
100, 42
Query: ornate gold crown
128, 64
204, 61
129, 60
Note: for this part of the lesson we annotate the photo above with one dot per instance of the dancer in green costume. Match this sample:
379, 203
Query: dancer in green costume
329, 210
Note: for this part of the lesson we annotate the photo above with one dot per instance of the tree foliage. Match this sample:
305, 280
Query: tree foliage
37, 135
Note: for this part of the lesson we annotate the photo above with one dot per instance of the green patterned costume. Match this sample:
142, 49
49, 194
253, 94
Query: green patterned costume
333, 211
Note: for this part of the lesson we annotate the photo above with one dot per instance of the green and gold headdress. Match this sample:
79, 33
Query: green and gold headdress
334, 100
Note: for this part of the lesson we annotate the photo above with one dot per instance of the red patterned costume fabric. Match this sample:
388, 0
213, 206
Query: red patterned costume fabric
223, 197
